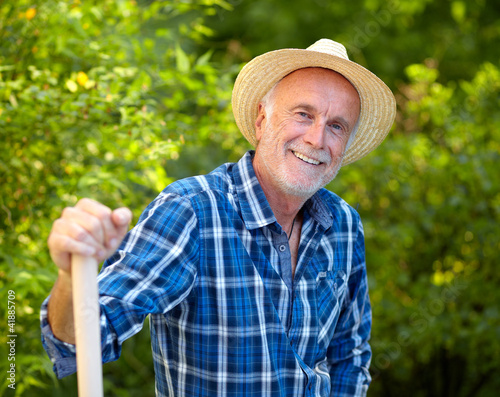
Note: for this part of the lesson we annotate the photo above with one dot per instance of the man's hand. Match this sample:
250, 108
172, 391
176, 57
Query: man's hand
88, 229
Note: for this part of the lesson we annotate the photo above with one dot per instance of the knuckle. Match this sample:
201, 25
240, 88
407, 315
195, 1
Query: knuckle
63, 245
80, 235
94, 207
66, 212
84, 202
94, 226
55, 241
59, 244
104, 212
57, 225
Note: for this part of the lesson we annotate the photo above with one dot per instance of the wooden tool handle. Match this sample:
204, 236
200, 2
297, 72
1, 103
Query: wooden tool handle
87, 326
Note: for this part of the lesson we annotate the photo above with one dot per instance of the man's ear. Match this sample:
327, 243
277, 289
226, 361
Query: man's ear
259, 127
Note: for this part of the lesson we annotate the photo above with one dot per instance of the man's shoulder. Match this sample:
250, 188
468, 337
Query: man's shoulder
188, 196
219, 180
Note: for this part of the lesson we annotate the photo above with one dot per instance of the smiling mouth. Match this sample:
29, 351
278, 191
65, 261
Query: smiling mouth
305, 158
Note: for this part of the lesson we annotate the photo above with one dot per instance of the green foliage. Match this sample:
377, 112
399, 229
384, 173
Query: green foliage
115, 99
384, 35
430, 203
95, 99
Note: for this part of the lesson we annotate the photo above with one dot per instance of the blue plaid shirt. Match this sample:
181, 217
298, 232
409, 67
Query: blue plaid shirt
210, 264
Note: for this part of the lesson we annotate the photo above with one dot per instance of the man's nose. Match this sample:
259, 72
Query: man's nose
315, 135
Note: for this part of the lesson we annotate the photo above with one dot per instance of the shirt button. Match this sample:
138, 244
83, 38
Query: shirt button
282, 248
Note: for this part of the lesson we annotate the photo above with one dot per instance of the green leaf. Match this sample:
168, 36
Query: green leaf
182, 60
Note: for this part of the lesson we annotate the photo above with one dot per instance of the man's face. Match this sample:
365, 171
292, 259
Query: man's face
302, 134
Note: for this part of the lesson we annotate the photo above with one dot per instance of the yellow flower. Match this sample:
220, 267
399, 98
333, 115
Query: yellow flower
30, 14
82, 78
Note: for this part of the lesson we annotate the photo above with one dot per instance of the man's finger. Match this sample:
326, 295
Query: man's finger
103, 214
121, 218
83, 223
62, 247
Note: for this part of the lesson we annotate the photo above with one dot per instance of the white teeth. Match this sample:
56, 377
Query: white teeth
305, 158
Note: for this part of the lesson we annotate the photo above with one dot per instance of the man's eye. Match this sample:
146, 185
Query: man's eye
303, 114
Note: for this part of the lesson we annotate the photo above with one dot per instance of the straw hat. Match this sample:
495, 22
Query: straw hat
378, 106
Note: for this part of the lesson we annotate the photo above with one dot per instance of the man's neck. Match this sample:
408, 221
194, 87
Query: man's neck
285, 207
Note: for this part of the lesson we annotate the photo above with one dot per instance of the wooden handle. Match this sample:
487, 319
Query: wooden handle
87, 329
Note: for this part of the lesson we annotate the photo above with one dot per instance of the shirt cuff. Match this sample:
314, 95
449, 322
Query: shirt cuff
62, 354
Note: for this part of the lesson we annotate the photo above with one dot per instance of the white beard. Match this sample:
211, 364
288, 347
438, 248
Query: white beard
288, 183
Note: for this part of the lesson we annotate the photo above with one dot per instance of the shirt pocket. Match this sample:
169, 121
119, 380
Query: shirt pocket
330, 291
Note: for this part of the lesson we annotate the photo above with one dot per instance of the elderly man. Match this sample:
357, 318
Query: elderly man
253, 276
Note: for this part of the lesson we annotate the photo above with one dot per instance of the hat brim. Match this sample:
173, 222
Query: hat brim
378, 106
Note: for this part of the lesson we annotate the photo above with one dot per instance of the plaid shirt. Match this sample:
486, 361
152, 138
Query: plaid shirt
211, 266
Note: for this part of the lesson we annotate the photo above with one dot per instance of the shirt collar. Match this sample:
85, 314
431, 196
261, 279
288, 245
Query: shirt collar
255, 209
319, 211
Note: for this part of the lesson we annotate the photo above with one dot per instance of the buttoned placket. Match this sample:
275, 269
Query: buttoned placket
282, 247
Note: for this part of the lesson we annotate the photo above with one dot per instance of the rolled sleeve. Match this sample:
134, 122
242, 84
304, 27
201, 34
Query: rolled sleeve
61, 354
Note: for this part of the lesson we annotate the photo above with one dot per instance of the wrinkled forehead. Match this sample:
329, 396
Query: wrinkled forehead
300, 74
325, 82
299, 78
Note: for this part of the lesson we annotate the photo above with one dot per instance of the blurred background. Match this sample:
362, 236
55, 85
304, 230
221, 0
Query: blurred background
116, 99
